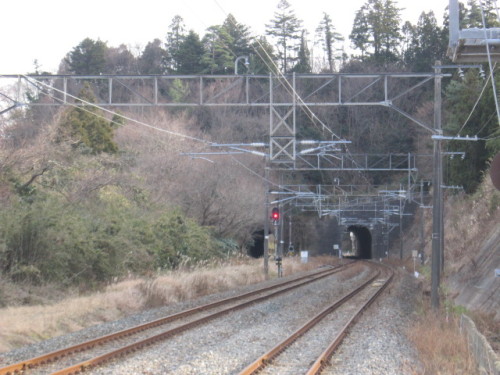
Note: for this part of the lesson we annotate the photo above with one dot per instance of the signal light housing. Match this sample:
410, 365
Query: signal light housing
275, 214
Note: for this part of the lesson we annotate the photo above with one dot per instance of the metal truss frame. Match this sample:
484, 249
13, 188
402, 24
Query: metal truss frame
283, 95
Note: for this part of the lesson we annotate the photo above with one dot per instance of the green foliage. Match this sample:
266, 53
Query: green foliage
494, 202
425, 43
189, 55
91, 242
179, 240
328, 37
285, 27
85, 126
178, 91
376, 30
153, 59
89, 57
218, 58
175, 36
303, 58
462, 96
264, 60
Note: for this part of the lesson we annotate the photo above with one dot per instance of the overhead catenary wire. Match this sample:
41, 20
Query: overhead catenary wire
141, 123
475, 105
114, 113
291, 90
493, 85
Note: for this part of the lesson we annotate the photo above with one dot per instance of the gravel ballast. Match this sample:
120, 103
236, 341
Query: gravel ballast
376, 345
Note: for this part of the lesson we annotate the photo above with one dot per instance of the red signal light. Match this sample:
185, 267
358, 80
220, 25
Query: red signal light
275, 215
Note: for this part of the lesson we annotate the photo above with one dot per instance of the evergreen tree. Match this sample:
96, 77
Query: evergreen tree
376, 30
84, 125
175, 36
265, 61
409, 42
328, 37
239, 37
304, 57
461, 96
472, 15
360, 36
218, 57
89, 57
285, 27
425, 43
190, 54
153, 59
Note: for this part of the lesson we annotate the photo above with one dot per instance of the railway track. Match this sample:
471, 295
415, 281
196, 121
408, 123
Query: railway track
78, 358
295, 354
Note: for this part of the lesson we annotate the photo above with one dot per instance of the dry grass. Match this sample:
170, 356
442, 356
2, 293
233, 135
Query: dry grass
441, 346
22, 325
489, 327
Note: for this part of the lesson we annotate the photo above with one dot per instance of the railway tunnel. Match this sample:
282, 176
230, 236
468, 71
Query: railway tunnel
363, 241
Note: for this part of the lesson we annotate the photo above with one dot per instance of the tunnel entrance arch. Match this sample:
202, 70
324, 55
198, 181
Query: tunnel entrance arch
362, 241
257, 249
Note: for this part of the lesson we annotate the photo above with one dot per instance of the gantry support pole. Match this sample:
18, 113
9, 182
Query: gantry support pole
266, 220
437, 213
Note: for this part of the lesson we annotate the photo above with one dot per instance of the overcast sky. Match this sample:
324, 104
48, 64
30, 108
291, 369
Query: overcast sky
47, 29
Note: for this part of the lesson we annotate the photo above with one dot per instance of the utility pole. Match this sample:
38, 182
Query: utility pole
422, 243
400, 227
279, 235
437, 216
266, 222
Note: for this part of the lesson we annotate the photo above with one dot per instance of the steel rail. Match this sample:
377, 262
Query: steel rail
55, 355
324, 359
266, 358
82, 366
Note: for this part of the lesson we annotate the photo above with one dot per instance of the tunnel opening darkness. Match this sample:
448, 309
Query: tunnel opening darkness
257, 250
363, 241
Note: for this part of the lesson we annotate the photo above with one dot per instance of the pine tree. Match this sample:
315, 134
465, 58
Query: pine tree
218, 57
190, 54
461, 96
89, 57
424, 43
239, 36
304, 57
175, 36
286, 28
360, 36
328, 37
376, 30
153, 59
265, 60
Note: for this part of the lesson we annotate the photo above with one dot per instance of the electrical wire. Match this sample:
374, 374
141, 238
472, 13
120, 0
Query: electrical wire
141, 123
489, 62
291, 90
281, 76
475, 105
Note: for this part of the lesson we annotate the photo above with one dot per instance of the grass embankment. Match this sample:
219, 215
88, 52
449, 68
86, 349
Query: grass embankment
22, 325
441, 346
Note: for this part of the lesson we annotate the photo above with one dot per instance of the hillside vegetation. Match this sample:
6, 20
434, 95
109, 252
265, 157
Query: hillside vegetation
90, 196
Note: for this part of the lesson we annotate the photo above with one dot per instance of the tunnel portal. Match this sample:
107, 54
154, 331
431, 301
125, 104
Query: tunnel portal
363, 240
257, 250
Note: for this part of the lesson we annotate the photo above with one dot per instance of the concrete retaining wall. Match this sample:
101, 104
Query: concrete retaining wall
486, 358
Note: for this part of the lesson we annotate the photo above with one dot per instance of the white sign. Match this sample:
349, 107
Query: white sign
414, 253
303, 256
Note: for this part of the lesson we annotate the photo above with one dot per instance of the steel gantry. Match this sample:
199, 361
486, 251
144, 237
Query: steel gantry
282, 95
